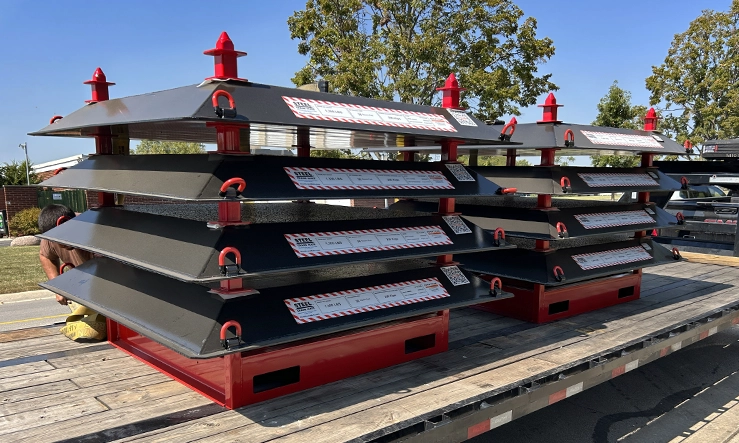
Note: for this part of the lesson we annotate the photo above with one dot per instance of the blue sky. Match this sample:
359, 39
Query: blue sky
48, 48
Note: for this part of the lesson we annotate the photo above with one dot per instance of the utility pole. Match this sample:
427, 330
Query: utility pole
24, 146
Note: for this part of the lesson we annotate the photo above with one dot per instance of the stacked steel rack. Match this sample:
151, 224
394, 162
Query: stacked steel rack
245, 302
574, 255
292, 295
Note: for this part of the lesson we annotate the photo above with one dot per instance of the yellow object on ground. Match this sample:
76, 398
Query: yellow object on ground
85, 325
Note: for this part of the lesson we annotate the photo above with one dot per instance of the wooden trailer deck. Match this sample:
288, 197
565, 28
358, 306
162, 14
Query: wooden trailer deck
497, 369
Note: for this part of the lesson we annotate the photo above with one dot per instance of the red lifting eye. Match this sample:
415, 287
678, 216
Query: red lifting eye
239, 182
564, 182
569, 138
562, 230
559, 274
499, 236
225, 327
509, 127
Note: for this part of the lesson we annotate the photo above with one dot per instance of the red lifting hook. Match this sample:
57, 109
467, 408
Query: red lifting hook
499, 233
224, 112
504, 191
504, 136
565, 183
65, 266
62, 219
676, 254
55, 118
57, 171
569, 138
680, 218
225, 327
684, 182
562, 230
231, 182
494, 288
222, 259
559, 274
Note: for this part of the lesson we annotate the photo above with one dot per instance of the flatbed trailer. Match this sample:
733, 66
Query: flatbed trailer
496, 370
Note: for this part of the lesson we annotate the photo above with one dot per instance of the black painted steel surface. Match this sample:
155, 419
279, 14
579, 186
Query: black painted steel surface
200, 177
181, 114
582, 180
542, 224
538, 266
188, 250
187, 318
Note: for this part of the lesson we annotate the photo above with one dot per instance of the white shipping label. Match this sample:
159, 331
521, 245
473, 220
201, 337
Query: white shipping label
462, 117
458, 226
355, 301
611, 258
610, 138
459, 172
609, 219
328, 179
602, 180
366, 115
318, 244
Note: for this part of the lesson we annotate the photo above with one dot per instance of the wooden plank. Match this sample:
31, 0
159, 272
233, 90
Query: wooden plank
100, 421
202, 426
28, 368
22, 334
722, 260
144, 385
272, 414
143, 393
71, 409
627, 330
39, 346
356, 422
90, 374
33, 392
76, 360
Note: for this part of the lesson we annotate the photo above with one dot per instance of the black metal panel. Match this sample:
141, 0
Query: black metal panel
538, 180
200, 176
187, 318
537, 267
182, 113
188, 250
542, 224
532, 136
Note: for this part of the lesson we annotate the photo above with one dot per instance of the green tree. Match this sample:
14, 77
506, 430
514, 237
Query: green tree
696, 83
404, 49
336, 153
491, 160
167, 147
616, 111
14, 173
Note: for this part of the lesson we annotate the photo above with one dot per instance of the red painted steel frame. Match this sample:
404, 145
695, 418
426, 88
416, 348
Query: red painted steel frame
230, 380
531, 302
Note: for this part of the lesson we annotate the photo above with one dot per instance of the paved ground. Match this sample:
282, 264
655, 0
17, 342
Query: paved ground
5, 242
29, 309
691, 396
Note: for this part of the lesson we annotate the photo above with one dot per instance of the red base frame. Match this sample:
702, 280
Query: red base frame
536, 304
245, 378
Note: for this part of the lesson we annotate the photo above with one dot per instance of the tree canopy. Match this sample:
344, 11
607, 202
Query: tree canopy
616, 111
167, 147
696, 83
14, 173
404, 49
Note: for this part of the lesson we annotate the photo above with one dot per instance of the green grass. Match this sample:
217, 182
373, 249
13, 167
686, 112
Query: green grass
20, 269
